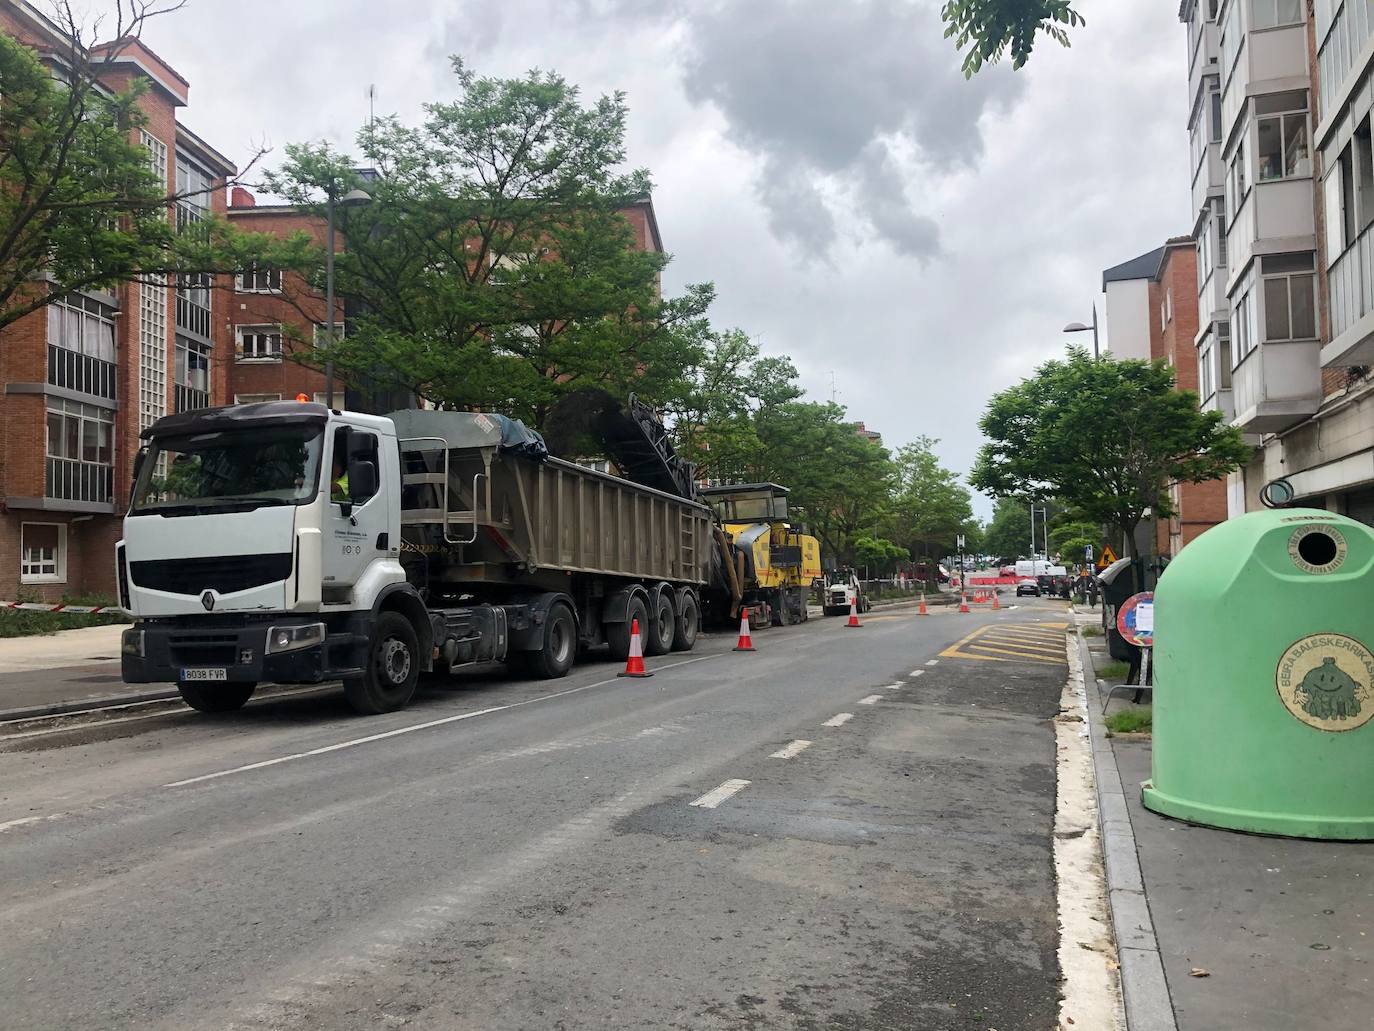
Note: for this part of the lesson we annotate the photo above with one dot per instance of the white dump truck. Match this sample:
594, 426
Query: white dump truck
285, 542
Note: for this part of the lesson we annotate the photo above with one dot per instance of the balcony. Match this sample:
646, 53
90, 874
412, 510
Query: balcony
1222, 401
1276, 386
188, 399
1351, 284
84, 373
71, 480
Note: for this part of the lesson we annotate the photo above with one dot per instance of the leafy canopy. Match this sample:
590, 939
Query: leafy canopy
992, 28
930, 507
494, 267
81, 205
1105, 437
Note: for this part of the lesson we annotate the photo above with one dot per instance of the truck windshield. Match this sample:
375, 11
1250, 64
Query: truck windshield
233, 470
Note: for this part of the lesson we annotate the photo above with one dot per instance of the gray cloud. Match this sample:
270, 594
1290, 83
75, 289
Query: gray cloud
817, 88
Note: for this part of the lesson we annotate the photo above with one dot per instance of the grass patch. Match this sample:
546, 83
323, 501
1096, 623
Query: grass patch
1113, 671
22, 623
1130, 721
1092, 631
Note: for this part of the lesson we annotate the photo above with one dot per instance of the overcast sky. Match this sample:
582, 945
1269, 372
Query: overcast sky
858, 204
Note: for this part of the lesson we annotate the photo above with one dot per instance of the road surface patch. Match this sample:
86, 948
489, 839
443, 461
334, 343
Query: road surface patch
1012, 642
790, 751
716, 796
838, 720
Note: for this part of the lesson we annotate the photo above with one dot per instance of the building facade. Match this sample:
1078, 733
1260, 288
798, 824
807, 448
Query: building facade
82, 378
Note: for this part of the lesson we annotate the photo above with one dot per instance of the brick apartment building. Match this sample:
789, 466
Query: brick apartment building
84, 376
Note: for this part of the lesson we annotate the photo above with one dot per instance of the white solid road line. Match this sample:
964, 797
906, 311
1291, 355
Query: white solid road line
24, 821
872, 699
839, 720
791, 751
916, 673
932, 662
716, 796
411, 729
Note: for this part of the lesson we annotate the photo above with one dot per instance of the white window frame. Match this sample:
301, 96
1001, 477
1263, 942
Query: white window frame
258, 281
1265, 14
1301, 167
1265, 279
59, 573
259, 355
253, 399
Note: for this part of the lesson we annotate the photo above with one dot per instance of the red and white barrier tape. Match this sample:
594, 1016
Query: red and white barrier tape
41, 606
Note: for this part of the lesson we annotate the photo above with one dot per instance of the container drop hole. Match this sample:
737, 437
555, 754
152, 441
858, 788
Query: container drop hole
1317, 548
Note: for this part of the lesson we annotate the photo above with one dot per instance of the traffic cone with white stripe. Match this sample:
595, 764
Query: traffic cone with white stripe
634, 665
963, 602
853, 613
746, 643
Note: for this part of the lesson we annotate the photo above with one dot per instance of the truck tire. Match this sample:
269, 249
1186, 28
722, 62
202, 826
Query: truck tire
687, 624
392, 671
833, 610
618, 634
560, 645
212, 697
658, 635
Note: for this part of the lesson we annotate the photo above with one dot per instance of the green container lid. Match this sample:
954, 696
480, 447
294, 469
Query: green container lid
1264, 678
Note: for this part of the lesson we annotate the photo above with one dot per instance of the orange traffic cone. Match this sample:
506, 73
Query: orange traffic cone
853, 614
963, 603
634, 666
746, 643
995, 604
922, 610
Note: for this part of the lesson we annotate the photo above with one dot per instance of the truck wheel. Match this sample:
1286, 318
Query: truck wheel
211, 697
618, 634
560, 645
393, 668
687, 624
658, 636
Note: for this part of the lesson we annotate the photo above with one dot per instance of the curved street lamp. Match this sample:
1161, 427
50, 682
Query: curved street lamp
1078, 327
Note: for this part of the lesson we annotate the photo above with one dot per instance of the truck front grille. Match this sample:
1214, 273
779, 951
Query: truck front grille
222, 573
203, 649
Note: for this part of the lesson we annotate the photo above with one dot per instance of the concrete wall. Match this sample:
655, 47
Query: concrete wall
1128, 318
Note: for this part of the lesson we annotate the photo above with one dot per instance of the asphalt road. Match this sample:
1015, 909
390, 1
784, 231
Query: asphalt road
588, 853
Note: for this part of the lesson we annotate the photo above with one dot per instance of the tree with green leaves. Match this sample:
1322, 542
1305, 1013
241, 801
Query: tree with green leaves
81, 205
1008, 532
993, 28
494, 268
879, 554
1105, 437
929, 506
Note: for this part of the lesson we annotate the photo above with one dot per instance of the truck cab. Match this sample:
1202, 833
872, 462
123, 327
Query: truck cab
260, 543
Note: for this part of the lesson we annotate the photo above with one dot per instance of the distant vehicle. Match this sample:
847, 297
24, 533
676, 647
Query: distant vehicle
839, 593
1028, 587
1007, 571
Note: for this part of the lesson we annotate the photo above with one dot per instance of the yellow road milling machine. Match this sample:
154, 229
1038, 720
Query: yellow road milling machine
775, 564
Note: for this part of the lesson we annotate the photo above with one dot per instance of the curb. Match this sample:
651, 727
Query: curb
1144, 989
85, 705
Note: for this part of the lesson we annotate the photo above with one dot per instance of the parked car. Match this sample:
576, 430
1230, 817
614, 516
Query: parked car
1028, 587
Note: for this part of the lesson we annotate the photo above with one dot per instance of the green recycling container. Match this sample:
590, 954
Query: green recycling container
1264, 678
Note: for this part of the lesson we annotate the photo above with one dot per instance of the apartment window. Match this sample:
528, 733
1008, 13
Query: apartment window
1223, 356
43, 553
253, 399
1243, 326
260, 281
1205, 357
193, 364
194, 187
157, 155
1230, 39
259, 344
1289, 305
1362, 169
84, 325
1221, 233
80, 451
193, 304
1168, 304
1204, 263
1282, 135
1268, 14
1214, 104
1236, 178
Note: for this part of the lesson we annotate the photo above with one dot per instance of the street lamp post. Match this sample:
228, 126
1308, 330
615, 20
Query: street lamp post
351, 199
1078, 327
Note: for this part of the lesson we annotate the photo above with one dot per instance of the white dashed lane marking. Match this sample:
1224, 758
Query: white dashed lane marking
932, 662
872, 699
916, 673
718, 795
839, 720
791, 751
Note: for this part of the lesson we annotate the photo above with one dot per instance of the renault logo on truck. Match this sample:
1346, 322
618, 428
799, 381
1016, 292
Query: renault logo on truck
208, 600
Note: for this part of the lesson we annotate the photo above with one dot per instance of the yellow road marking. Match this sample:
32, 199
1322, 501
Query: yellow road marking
1011, 642
1026, 656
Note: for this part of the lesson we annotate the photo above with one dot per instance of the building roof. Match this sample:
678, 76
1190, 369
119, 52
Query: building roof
1143, 267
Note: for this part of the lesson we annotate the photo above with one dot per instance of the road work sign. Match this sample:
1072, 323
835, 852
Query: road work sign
1108, 557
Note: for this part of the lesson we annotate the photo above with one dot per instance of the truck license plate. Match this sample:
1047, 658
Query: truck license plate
205, 673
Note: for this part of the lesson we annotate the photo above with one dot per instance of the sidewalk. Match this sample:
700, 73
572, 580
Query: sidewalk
1284, 929
65, 672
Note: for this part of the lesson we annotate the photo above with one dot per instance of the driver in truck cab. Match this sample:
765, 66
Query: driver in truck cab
338, 479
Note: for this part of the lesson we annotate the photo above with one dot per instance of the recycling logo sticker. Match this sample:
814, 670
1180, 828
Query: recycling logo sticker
1327, 682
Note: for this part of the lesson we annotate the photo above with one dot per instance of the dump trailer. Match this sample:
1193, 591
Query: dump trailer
775, 563
286, 542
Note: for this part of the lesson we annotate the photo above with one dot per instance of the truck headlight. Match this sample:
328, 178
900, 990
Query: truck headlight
297, 635
131, 642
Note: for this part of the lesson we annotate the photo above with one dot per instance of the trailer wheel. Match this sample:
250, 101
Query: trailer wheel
658, 636
618, 634
560, 645
209, 697
686, 625
393, 668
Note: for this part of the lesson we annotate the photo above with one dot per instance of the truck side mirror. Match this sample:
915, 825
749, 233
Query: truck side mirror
362, 480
